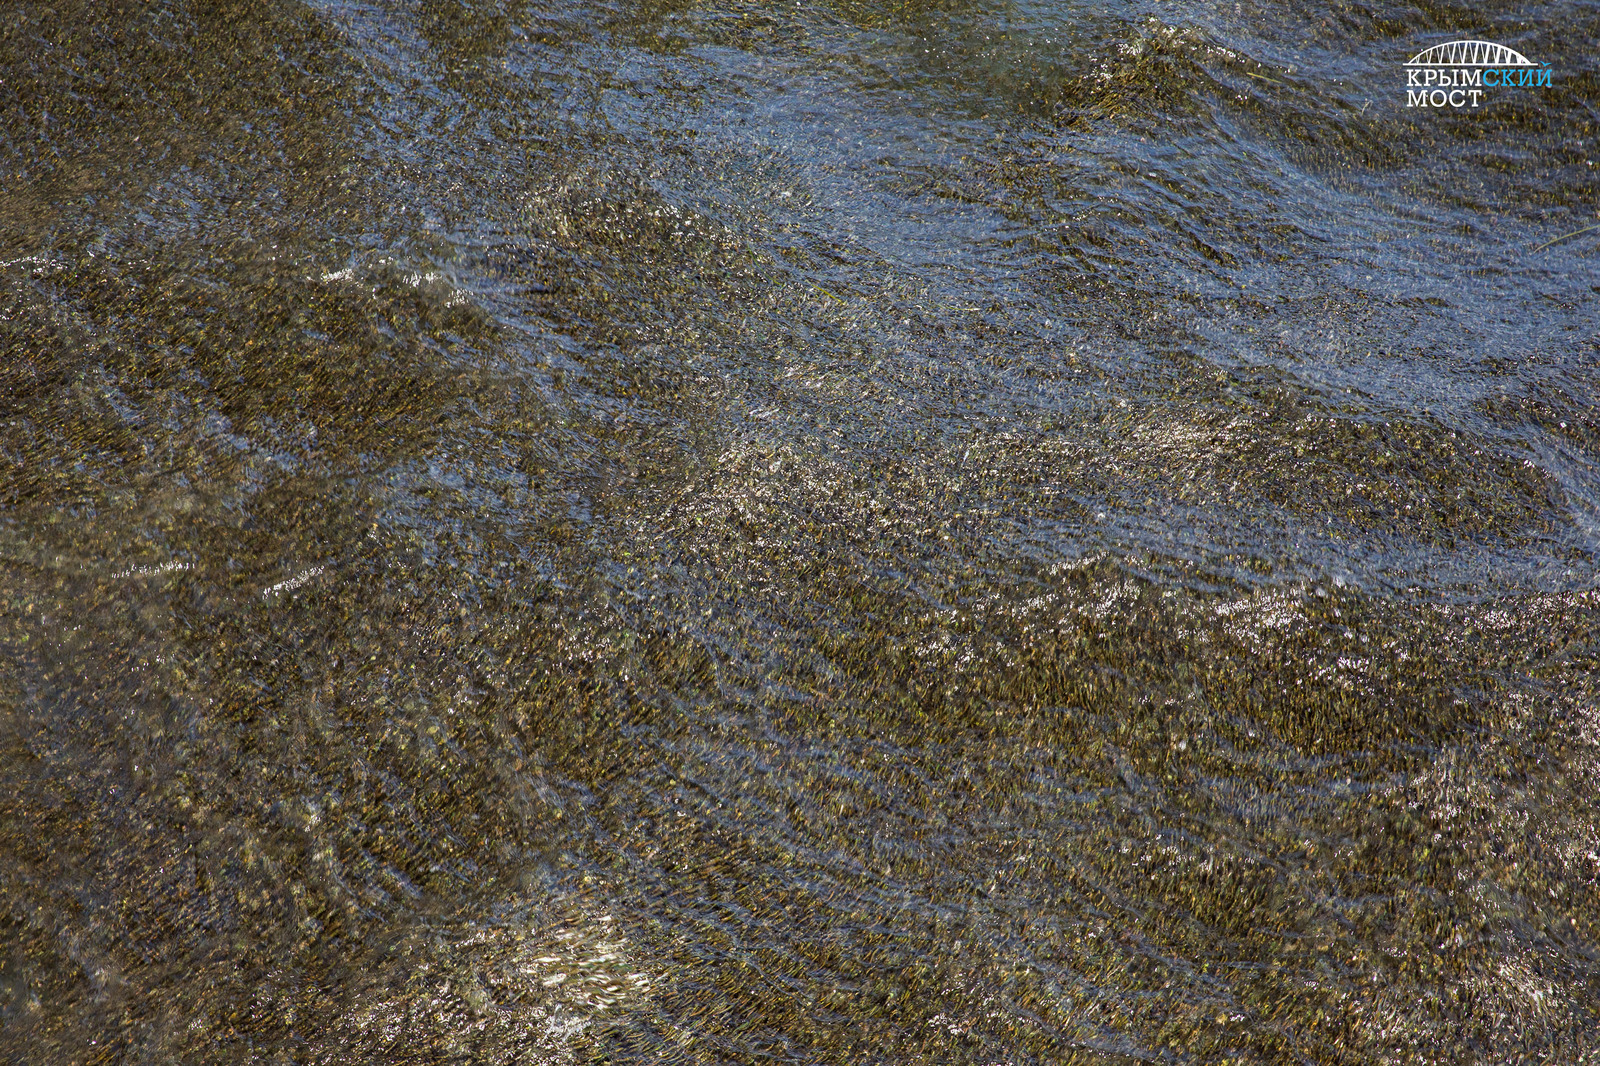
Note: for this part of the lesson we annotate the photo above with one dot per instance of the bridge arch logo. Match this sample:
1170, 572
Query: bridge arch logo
1457, 74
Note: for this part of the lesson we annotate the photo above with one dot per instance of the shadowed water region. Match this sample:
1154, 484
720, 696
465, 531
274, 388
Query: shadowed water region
846, 531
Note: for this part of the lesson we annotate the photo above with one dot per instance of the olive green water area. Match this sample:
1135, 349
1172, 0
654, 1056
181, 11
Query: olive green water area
839, 532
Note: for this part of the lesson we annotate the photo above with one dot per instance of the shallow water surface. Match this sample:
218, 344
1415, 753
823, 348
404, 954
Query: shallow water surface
831, 532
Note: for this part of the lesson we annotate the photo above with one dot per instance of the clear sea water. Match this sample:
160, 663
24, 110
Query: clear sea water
826, 532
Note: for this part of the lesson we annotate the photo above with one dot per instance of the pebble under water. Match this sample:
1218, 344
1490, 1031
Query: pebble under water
847, 531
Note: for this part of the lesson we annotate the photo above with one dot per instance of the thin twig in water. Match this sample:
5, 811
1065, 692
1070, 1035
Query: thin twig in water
1564, 236
1263, 77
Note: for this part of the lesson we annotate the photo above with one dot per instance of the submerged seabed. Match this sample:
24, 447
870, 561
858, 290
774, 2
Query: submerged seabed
838, 532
